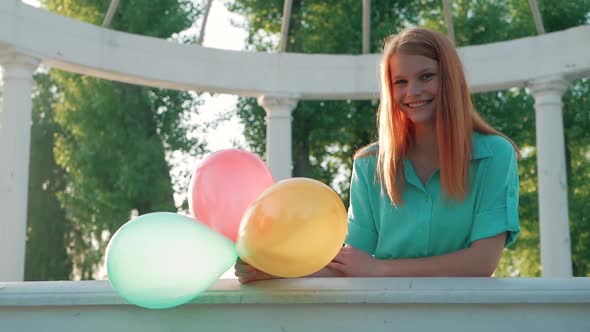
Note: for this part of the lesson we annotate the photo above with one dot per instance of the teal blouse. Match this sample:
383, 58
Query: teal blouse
427, 223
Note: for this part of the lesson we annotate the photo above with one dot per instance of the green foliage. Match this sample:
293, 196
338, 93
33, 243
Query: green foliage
112, 146
577, 125
512, 112
111, 140
47, 230
155, 18
326, 133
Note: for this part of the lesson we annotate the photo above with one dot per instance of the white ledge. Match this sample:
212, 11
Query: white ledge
327, 305
321, 291
75, 46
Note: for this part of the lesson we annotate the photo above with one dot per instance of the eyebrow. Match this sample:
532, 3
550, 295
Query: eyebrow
427, 69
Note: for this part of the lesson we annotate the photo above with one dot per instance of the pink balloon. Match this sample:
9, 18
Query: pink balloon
224, 185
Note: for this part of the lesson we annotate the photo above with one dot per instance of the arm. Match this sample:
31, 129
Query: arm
479, 260
326, 272
247, 273
495, 225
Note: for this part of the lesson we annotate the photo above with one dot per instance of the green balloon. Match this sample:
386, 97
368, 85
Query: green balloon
162, 260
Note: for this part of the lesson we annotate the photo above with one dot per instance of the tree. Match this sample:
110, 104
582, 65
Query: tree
112, 139
325, 134
47, 229
512, 112
577, 125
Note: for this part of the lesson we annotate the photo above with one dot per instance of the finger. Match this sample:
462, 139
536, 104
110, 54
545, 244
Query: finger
244, 267
246, 277
250, 277
337, 260
248, 274
241, 262
240, 273
351, 250
347, 250
337, 273
338, 267
340, 257
259, 275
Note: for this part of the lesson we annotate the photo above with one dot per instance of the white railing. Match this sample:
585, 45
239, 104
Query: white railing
341, 304
545, 64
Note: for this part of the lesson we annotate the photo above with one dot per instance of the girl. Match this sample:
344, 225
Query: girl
437, 195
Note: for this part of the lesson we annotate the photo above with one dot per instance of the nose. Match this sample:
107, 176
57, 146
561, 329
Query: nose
414, 88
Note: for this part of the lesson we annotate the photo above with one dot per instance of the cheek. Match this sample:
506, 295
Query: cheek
433, 87
398, 94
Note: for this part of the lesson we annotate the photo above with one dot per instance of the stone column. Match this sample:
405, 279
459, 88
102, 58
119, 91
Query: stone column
278, 134
15, 138
556, 257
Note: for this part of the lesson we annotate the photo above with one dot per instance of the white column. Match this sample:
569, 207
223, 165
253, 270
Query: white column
15, 138
278, 134
556, 257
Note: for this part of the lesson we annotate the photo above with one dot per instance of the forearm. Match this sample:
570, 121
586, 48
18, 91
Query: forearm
459, 263
325, 273
478, 261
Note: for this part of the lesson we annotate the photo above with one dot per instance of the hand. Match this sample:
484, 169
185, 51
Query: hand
247, 273
352, 262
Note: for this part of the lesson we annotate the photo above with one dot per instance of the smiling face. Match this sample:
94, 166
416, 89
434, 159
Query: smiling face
415, 81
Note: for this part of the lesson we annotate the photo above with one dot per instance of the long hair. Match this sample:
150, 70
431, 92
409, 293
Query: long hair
455, 117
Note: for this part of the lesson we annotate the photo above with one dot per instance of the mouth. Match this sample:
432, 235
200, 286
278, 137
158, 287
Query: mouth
418, 104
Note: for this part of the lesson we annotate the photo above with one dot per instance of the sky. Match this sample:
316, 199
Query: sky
221, 34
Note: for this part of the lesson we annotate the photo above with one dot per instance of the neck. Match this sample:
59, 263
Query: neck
425, 139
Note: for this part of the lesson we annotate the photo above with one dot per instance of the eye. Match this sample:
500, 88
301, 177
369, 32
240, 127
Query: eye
426, 76
400, 82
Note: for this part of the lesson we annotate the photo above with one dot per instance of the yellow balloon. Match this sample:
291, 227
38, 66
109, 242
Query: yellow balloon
294, 228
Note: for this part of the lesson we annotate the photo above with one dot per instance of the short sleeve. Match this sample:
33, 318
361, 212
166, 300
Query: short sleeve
361, 225
497, 208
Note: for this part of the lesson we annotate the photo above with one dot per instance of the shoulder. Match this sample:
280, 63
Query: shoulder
496, 146
501, 160
367, 151
365, 161
367, 156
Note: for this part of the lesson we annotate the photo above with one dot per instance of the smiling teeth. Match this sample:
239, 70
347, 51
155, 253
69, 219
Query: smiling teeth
418, 104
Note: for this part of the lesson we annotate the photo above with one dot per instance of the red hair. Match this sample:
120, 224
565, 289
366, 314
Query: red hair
455, 117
